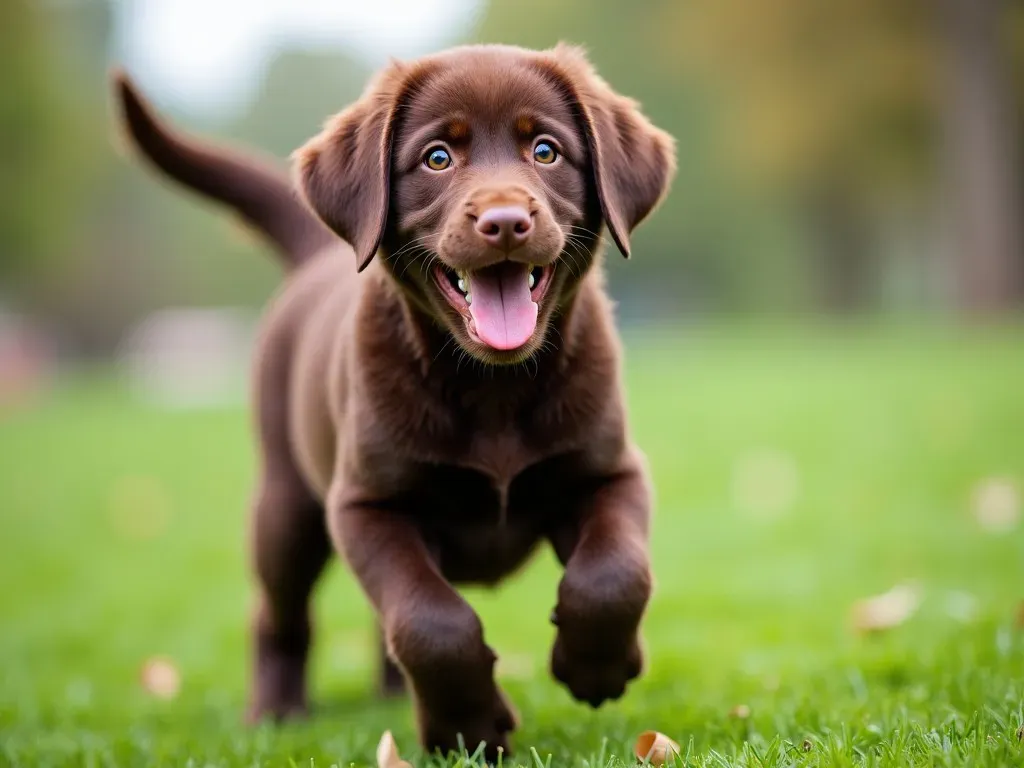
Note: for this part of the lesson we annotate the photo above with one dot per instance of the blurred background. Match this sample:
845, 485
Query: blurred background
848, 158
825, 362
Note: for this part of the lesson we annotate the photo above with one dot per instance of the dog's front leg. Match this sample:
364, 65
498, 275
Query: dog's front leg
429, 629
605, 588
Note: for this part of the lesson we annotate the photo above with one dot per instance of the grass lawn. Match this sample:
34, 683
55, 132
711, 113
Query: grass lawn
796, 472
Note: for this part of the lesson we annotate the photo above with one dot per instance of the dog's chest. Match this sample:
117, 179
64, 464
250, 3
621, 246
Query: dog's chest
483, 522
486, 480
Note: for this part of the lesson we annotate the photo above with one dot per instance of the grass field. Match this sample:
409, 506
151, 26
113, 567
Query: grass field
796, 472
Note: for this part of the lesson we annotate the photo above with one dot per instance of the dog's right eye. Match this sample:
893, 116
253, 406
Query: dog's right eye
437, 159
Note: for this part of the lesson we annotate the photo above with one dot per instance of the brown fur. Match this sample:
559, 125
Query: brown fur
389, 433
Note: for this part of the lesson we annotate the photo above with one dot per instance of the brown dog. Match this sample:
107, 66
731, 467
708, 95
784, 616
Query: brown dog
436, 417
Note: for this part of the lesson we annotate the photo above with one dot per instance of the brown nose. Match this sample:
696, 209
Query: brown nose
505, 227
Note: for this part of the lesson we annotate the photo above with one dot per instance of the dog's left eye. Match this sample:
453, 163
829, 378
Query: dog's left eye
437, 159
544, 153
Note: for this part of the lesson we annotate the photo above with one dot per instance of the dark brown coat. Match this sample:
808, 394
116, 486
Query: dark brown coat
393, 429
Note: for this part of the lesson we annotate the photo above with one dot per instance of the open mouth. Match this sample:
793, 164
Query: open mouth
500, 303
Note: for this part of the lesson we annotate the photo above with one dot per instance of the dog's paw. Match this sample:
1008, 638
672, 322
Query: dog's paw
491, 723
280, 689
595, 674
276, 711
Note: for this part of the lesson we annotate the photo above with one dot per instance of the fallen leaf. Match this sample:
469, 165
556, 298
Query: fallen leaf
996, 505
740, 712
656, 748
387, 753
886, 611
160, 678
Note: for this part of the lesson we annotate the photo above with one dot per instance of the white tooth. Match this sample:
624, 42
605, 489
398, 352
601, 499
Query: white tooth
462, 284
532, 281
469, 298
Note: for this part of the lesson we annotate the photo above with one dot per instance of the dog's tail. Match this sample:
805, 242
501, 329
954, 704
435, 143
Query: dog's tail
261, 193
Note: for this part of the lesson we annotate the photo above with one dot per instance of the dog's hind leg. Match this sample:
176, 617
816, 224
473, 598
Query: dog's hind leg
290, 544
290, 549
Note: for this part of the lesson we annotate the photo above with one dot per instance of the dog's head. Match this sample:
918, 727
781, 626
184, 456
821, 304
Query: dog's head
484, 174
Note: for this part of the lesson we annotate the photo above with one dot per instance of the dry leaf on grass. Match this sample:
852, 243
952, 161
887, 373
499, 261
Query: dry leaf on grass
996, 505
387, 753
740, 712
655, 747
886, 611
160, 678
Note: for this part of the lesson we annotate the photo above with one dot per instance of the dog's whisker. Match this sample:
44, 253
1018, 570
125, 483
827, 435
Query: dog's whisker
410, 257
444, 346
412, 245
414, 257
588, 235
572, 264
583, 242
584, 246
581, 228
407, 249
428, 263
597, 237
462, 356
415, 241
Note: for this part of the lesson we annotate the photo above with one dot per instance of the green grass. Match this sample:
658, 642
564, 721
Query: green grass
122, 537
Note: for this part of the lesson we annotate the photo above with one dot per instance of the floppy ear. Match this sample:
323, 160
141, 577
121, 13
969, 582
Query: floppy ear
344, 172
633, 161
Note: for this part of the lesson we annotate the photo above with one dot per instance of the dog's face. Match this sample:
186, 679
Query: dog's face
483, 174
491, 180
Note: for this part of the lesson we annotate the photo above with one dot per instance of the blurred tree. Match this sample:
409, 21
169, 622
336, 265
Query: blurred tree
93, 241
38, 159
847, 104
828, 116
982, 151
306, 85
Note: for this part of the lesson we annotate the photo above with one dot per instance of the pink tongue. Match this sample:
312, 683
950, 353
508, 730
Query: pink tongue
503, 312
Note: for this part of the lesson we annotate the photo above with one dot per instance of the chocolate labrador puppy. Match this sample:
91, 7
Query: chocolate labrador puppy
436, 417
